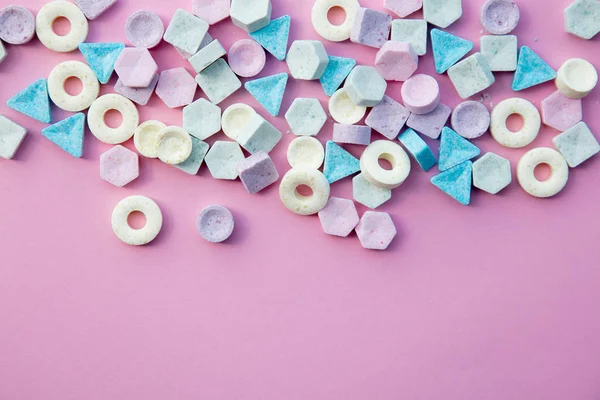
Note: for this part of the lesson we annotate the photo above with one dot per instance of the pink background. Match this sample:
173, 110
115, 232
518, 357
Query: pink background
498, 300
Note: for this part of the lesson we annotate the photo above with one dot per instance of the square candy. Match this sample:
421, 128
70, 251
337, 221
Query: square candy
186, 31
257, 172
431, 124
412, 31
577, 144
500, 52
388, 118
471, 76
218, 81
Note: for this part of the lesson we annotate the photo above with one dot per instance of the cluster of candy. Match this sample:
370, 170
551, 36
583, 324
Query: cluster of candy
363, 87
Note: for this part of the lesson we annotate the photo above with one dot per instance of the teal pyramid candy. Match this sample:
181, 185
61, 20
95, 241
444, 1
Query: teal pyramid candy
531, 70
33, 101
337, 70
101, 57
339, 163
447, 49
68, 134
454, 150
269, 91
274, 37
456, 182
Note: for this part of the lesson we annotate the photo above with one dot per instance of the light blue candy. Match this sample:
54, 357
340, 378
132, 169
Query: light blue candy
339, 163
456, 182
68, 134
101, 57
337, 70
268, 91
274, 37
194, 161
454, 149
448, 49
531, 70
33, 101
418, 149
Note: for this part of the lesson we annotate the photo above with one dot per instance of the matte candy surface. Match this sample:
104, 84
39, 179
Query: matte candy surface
456, 182
119, 166
186, 31
194, 161
388, 117
144, 29
339, 163
68, 134
257, 172
11, 137
448, 49
274, 37
413, 31
531, 70
218, 81
101, 57
33, 101
336, 72
455, 149
269, 91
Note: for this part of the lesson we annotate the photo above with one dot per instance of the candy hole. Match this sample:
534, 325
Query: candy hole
113, 119
304, 191
73, 86
386, 161
336, 15
61, 26
515, 122
542, 172
136, 220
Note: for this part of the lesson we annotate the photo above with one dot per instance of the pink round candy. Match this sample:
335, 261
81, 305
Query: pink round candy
215, 224
470, 119
500, 17
144, 29
17, 25
421, 94
246, 58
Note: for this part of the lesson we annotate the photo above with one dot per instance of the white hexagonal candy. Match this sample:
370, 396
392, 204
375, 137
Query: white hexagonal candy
202, 119
582, 18
250, 15
368, 194
365, 86
442, 13
307, 59
222, 159
306, 117
491, 173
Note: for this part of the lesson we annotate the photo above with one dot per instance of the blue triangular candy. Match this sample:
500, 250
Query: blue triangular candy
68, 134
337, 70
101, 57
531, 70
274, 37
454, 149
456, 182
33, 101
447, 49
269, 91
339, 163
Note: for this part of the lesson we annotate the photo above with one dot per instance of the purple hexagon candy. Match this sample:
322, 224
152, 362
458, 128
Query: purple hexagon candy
388, 118
94, 8
257, 172
376, 230
136, 67
140, 96
339, 217
119, 166
371, 27
176, 87
561, 112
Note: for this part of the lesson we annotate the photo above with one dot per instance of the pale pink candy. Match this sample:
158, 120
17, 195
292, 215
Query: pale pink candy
376, 230
176, 87
119, 166
140, 96
430, 124
246, 58
144, 29
339, 217
136, 67
402, 8
396, 61
421, 94
561, 112
94, 8
211, 11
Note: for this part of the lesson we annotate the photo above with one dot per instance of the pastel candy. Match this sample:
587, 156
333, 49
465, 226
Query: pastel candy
368, 194
307, 59
396, 61
531, 70
442, 13
338, 217
258, 135
205, 42
144, 29
304, 205
491, 173
246, 58
402, 8
306, 117
412, 31
328, 30
202, 119
471, 119
68, 134
119, 166
17, 25
352, 134
257, 172
561, 112
176, 87
455, 150
173, 145
129, 235
371, 27
456, 182
11, 137
136, 67
577, 144
305, 152
559, 172
186, 31
448, 49
211, 11
207, 55
250, 15
144, 138
222, 159
531, 123
140, 96
215, 224
576, 78
582, 18
421, 94
274, 37
430, 124
500, 17
417, 148
500, 52
101, 57
194, 161
218, 81
365, 86
344, 110
471, 76
388, 117
269, 91
339, 163
94, 8
234, 119
33, 101
336, 72
376, 230
44, 26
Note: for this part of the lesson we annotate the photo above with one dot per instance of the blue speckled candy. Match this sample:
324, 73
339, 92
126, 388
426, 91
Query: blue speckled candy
268, 91
68, 134
33, 101
456, 182
101, 57
448, 49
531, 70
454, 149
194, 161
337, 70
418, 149
339, 163
274, 37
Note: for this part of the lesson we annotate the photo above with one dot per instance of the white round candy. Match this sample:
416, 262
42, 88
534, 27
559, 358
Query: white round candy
327, 30
234, 118
576, 78
297, 203
558, 177
56, 86
144, 138
531, 123
377, 175
45, 31
103, 132
305, 152
173, 145
129, 235
343, 109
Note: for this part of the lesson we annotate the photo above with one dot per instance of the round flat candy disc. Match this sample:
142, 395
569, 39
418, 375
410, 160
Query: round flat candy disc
144, 29
17, 25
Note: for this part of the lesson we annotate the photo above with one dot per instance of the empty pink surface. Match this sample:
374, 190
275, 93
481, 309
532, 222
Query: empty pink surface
498, 300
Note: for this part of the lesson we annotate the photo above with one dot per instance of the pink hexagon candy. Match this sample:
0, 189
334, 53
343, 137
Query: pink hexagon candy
376, 230
561, 112
136, 67
119, 166
396, 61
339, 217
176, 87
402, 8
212, 11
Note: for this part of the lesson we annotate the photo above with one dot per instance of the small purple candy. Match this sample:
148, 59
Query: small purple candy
371, 27
470, 119
215, 224
144, 29
137, 95
430, 124
17, 25
257, 172
352, 134
94, 8
500, 17
388, 118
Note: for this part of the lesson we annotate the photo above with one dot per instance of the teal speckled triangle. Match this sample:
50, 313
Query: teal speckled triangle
454, 149
68, 134
269, 91
101, 57
274, 37
337, 70
456, 182
339, 163
33, 101
531, 70
447, 49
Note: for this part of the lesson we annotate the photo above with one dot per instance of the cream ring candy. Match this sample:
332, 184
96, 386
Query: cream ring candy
576, 78
173, 145
129, 235
103, 132
305, 152
327, 30
234, 119
17, 25
343, 109
45, 31
532, 123
298, 203
394, 154
56, 86
144, 138
421, 94
559, 174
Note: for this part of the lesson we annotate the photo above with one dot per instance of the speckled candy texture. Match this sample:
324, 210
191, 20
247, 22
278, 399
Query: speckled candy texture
11, 137
339, 163
412, 31
186, 31
222, 159
577, 144
491, 173
101, 58
67, 134
207, 55
531, 70
376, 230
471, 119
306, 117
368, 194
454, 150
421, 94
442, 13
92, 9
269, 91
119, 166
194, 161
430, 124
250, 15
17, 25
500, 52
388, 117
352, 134
365, 86
447, 49
246, 58
218, 81
33, 101
144, 29
499, 17
396, 61
371, 27
211, 11
274, 37
471, 76
176, 87
561, 112
140, 96
336, 72
135, 67
339, 217
417, 147
257, 172
582, 18
258, 135
307, 59
215, 224
456, 182
402, 8
202, 119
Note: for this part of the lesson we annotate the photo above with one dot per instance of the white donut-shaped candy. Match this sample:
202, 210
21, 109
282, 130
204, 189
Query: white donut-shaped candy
531, 123
305, 152
576, 78
144, 138
105, 133
56, 86
129, 235
343, 109
558, 177
297, 203
45, 31
234, 119
394, 154
173, 145
327, 30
